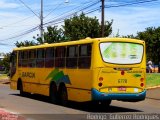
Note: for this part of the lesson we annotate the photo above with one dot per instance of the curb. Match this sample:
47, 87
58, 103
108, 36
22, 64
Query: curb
4, 81
154, 87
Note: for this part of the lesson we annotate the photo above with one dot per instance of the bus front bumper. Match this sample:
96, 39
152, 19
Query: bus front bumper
100, 96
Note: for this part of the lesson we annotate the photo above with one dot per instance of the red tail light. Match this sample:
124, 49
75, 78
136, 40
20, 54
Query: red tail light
142, 79
100, 84
101, 79
142, 84
122, 72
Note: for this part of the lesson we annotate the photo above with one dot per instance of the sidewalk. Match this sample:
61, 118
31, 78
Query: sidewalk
4, 81
153, 93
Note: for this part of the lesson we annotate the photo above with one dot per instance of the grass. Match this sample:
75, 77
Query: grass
3, 76
153, 79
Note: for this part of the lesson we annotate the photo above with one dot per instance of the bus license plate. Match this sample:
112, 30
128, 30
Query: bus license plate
121, 89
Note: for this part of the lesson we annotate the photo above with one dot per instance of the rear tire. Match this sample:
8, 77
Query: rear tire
63, 96
100, 104
105, 103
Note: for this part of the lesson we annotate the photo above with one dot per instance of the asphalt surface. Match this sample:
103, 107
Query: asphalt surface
35, 107
153, 93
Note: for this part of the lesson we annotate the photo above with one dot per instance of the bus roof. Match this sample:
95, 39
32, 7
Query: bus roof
82, 41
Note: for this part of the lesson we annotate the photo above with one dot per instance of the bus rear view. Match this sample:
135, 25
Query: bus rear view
121, 72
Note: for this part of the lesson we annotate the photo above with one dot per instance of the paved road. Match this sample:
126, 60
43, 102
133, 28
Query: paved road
39, 107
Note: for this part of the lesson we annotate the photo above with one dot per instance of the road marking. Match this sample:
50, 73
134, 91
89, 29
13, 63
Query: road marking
6, 115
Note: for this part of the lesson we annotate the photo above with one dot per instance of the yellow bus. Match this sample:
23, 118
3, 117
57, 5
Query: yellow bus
98, 70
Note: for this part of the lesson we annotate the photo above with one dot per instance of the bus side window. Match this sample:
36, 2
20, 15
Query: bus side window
32, 58
20, 58
60, 57
24, 58
40, 58
13, 59
72, 54
49, 58
84, 56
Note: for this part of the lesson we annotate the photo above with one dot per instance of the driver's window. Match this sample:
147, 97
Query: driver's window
14, 59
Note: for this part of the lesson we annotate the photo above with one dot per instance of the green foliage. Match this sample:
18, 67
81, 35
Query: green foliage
5, 62
25, 43
153, 79
130, 36
54, 35
152, 38
80, 27
75, 28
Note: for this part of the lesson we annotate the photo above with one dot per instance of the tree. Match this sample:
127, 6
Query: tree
130, 36
75, 28
5, 62
151, 35
54, 35
80, 27
25, 43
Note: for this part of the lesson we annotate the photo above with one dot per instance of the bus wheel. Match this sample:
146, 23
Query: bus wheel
53, 93
63, 96
21, 89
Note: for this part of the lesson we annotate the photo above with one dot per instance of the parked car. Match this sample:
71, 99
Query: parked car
2, 68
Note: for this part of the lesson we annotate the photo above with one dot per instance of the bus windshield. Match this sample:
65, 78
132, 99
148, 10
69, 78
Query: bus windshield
121, 52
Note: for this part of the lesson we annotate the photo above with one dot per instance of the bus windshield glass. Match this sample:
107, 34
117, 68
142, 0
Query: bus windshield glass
121, 52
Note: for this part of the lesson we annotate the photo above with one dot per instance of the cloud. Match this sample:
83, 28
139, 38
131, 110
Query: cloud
133, 19
6, 5
128, 20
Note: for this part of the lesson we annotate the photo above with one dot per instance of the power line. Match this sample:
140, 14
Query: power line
54, 9
73, 13
57, 21
70, 11
24, 33
4, 44
61, 19
17, 21
29, 8
132, 3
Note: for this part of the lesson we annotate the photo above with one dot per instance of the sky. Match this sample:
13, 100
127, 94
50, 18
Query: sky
20, 19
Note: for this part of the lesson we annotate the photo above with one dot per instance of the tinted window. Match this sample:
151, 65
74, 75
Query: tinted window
84, 60
60, 57
19, 58
49, 58
32, 58
40, 58
23, 58
72, 54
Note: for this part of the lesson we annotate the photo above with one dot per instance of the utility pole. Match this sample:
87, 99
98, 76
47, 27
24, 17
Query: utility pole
102, 24
41, 20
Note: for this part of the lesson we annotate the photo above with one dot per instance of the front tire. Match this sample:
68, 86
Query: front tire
22, 93
53, 93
